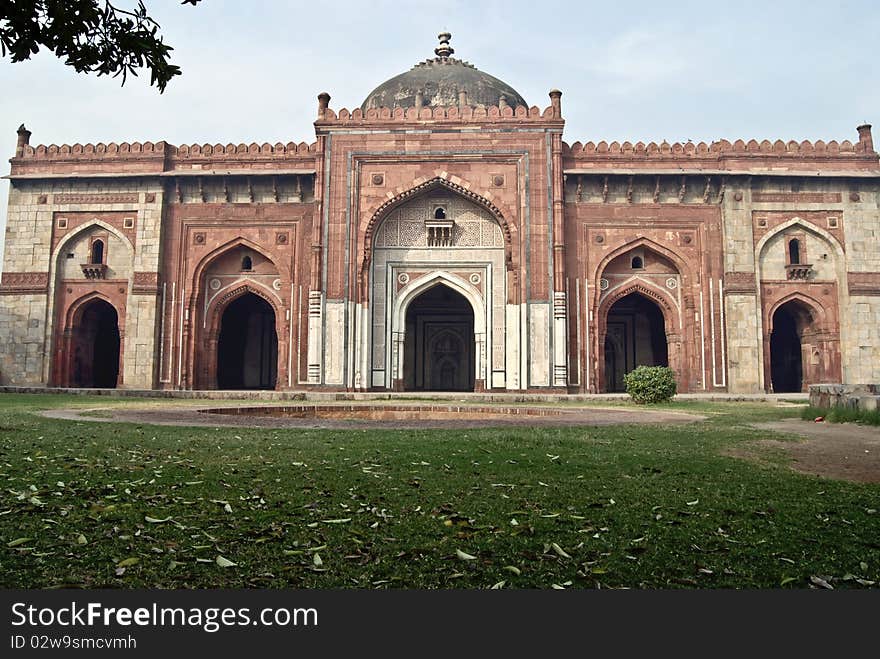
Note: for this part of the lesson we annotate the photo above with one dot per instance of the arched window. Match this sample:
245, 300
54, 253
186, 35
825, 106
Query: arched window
247, 264
97, 255
637, 263
439, 214
794, 251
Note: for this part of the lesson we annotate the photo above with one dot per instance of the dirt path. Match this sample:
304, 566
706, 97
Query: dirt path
844, 451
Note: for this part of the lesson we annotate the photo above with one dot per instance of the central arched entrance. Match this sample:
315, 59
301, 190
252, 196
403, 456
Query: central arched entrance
790, 321
439, 350
247, 348
635, 336
95, 358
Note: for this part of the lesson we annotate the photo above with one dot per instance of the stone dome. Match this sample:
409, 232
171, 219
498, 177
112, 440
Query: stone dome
440, 80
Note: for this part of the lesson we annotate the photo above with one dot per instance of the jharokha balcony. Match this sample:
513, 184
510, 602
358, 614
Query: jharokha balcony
99, 270
798, 271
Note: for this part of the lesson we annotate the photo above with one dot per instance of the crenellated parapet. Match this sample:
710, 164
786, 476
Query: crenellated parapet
132, 158
448, 114
723, 154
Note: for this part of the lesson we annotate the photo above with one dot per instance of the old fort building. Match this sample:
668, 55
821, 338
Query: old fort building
444, 235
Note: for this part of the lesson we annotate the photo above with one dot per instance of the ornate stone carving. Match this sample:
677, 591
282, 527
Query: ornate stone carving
24, 282
97, 198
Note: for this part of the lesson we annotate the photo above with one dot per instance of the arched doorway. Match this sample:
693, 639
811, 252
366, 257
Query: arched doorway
439, 348
247, 348
790, 321
635, 336
94, 359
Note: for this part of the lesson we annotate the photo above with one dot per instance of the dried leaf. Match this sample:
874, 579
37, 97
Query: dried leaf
819, 581
463, 556
513, 569
17, 542
156, 520
316, 560
81, 539
343, 520
224, 562
559, 550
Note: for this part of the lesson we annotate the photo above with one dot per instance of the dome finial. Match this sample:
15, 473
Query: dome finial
444, 50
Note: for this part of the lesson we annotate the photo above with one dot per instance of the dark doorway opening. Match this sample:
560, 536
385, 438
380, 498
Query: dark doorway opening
247, 349
635, 336
96, 347
439, 350
786, 354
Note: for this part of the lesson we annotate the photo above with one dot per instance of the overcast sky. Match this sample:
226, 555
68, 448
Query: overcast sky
628, 70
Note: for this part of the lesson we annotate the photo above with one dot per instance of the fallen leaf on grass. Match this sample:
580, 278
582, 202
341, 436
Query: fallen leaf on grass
559, 550
819, 581
224, 562
17, 542
464, 556
155, 520
512, 569
127, 562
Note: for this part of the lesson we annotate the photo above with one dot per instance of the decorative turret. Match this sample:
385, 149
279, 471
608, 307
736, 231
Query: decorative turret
24, 139
323, 103
865, 138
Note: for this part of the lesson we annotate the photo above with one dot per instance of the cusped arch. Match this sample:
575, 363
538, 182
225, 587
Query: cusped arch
218, 304
646, 289
440, 278
462, 189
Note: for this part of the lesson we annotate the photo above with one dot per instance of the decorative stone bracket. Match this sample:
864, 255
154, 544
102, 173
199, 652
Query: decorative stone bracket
798, 271
94, 270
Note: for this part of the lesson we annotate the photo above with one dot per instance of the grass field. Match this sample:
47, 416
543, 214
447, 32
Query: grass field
90, 504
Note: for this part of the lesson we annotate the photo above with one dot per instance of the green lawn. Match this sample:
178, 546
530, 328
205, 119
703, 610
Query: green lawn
94, 504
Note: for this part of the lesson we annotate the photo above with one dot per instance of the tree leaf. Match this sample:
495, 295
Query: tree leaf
224, 562
819, 581
464, 556
155, 520
513, 569
316, 560
127, 562
17, 542
559, 550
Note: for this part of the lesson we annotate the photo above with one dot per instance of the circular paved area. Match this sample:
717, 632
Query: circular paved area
374, 416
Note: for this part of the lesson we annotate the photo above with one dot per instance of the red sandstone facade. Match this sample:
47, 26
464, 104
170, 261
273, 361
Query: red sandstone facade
448, 244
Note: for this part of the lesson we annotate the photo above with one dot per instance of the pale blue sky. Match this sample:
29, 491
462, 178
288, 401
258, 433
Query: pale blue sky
628, 70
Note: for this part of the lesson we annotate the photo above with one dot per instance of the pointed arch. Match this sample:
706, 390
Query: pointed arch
85, 227
806, 226
459, 187
205, 359
240, 241
438, 278
814, 306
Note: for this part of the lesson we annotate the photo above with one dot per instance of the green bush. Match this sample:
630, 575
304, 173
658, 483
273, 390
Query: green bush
650, 384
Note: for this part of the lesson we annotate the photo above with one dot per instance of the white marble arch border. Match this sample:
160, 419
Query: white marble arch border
397, 325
